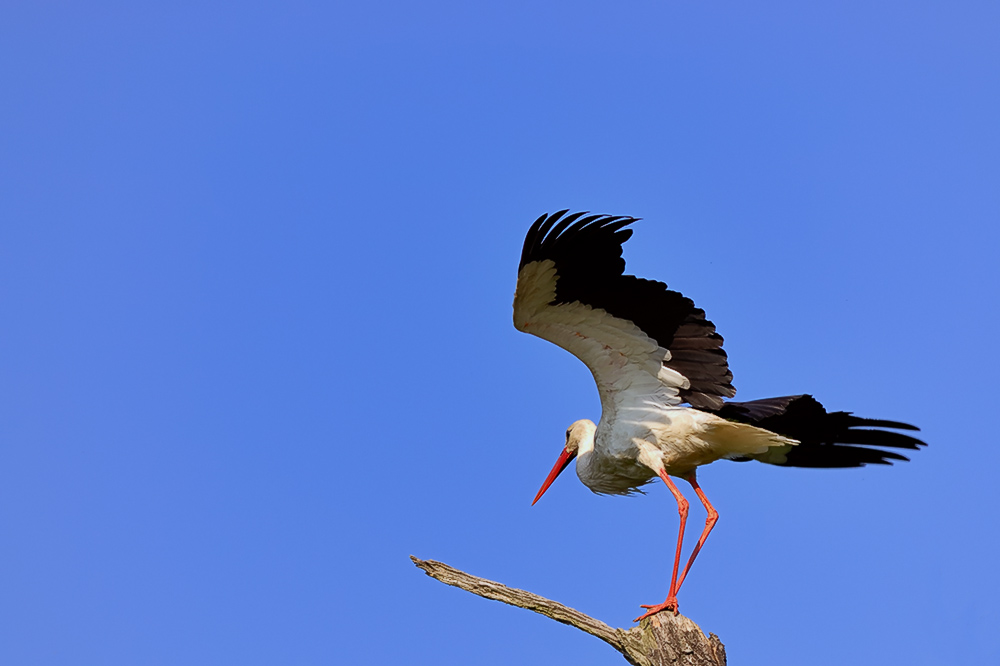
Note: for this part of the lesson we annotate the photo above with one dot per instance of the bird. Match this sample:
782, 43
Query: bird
664, 380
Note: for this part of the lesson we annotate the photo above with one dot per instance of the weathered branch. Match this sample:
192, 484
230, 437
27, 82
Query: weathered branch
662, 640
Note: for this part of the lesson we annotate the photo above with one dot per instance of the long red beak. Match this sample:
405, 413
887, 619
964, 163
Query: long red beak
564, 459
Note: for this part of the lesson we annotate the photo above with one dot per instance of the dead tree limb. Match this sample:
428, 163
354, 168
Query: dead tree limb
664, 639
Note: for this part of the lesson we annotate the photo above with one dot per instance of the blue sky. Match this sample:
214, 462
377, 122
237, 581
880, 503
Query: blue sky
256, 267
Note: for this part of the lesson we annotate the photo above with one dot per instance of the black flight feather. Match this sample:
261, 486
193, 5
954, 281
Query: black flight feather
827, 439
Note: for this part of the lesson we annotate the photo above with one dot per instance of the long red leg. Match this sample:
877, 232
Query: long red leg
713, 517
682, 509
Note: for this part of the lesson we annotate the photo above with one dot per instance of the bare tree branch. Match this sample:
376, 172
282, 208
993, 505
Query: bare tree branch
662, 640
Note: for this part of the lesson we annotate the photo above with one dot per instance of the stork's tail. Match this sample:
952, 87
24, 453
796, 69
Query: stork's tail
826, 439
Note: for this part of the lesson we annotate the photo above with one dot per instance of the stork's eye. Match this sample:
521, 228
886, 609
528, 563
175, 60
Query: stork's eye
567, 433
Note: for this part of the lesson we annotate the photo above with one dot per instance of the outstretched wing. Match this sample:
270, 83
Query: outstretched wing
826, 439
633, 334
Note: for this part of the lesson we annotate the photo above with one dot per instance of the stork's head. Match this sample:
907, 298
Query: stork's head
579, 439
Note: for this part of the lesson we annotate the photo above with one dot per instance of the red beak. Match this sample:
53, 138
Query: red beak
564, 459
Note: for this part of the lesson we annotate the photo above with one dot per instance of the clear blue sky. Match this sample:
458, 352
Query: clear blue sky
256, 268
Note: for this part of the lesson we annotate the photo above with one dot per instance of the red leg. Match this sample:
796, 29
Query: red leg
713, 517
682, 509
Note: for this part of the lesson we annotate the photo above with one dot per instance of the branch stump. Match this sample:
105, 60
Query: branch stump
664, 639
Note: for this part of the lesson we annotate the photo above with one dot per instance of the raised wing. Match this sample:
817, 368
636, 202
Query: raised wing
826, 439
633, 334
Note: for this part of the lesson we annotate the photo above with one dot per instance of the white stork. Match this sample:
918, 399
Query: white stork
651, 351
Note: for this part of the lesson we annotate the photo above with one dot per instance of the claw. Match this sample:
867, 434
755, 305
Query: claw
670, 604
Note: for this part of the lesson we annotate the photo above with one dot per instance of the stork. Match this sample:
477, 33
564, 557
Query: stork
663, 376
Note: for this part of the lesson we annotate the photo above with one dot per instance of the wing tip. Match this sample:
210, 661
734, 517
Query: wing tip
549, 229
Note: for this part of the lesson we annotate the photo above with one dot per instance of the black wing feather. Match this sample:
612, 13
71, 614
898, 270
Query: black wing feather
827, 439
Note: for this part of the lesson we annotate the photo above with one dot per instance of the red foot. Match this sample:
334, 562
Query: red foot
670, 604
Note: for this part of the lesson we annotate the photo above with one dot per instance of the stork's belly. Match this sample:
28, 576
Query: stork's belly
612, 475
682, 458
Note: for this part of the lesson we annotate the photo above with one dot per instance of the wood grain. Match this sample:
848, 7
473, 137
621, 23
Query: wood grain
664, 639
